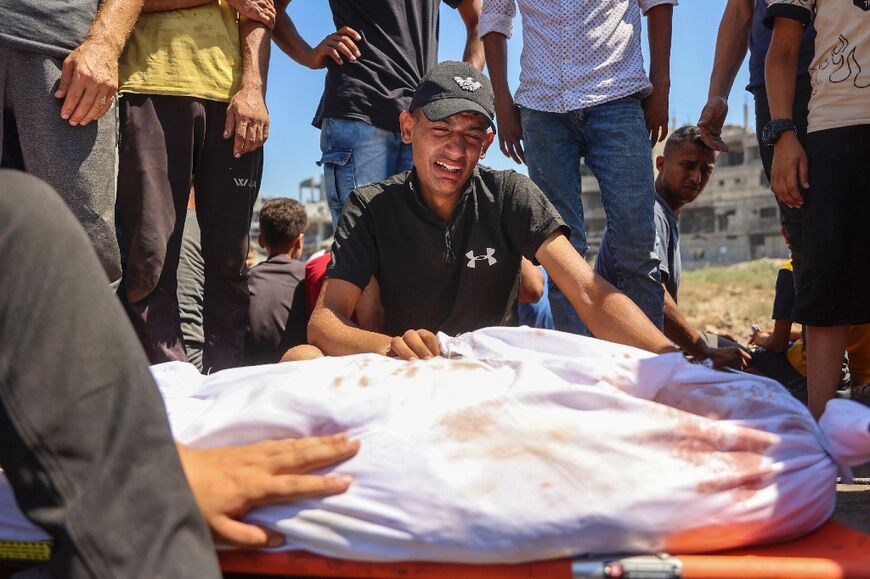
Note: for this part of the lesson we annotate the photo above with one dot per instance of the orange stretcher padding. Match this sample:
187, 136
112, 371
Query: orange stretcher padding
834, 551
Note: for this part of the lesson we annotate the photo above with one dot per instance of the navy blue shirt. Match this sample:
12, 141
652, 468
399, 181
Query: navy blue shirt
759, 42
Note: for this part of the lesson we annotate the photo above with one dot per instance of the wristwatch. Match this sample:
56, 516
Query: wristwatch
774, 129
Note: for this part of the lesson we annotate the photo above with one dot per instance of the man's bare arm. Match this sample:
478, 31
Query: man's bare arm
337, 46
332, 330
247, 116
776, 341
89, 77
655, 106
732, 42
507, 115
789, 172
606, 311
473, 54
678, 330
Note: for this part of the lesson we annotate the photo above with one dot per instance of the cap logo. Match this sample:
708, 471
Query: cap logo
467, 83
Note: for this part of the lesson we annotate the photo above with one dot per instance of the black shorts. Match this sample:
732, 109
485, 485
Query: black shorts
833, 279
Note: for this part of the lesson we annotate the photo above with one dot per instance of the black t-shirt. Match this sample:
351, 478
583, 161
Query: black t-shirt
399, 44
278, 314
452, 277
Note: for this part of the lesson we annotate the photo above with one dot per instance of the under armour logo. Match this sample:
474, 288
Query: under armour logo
489, 256
467, 83
245, 182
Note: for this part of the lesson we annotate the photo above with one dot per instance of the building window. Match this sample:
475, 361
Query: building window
723, 219
768, 212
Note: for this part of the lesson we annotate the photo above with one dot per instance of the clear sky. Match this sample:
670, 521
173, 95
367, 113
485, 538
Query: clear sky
293, 147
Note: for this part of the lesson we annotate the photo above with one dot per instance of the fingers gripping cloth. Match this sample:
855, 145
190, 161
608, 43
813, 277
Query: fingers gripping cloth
526, 444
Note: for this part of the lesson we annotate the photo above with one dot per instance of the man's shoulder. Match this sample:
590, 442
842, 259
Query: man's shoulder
502, 181
664, 216
395, 185
277, 266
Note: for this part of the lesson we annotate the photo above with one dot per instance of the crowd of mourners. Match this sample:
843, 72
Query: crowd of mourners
146, 119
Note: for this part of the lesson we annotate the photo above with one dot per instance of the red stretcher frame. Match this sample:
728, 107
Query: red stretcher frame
833, 551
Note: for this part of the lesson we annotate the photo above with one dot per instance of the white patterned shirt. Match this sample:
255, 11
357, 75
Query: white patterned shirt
576, 53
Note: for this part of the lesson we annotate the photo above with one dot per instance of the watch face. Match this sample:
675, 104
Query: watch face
773, 129
767, 135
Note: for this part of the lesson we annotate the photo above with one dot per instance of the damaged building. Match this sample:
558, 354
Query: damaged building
735, 219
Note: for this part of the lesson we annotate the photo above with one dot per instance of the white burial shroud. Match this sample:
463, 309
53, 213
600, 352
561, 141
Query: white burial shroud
525, 444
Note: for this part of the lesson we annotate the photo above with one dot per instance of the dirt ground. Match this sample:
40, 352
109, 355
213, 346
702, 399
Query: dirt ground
728, 300
853, 501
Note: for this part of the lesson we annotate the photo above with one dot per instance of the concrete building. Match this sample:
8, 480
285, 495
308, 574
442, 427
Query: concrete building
319, 233
735, 219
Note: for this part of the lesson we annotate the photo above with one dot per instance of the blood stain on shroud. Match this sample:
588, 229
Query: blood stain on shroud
735, 455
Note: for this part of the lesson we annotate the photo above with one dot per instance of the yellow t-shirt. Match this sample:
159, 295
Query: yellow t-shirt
191, 52
857, 346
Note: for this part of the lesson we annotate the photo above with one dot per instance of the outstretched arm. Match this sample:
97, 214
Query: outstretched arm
732, 42
606, 311
678, 329
473, 54
777, 340
247, 116
89, 77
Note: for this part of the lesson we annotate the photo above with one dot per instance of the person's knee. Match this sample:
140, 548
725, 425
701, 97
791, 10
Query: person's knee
32, 199
231, 266
302, 352
141, 278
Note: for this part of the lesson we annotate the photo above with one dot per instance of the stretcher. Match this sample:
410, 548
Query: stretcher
834, 551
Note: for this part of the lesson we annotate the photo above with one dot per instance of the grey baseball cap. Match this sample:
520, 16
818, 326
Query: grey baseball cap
452, 87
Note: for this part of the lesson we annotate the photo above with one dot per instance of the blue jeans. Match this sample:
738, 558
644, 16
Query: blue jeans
613, 138
356, 153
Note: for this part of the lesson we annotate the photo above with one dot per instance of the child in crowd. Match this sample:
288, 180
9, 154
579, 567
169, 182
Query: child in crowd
278, 314
781, 354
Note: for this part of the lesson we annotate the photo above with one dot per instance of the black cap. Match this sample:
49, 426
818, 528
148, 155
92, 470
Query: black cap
452, 87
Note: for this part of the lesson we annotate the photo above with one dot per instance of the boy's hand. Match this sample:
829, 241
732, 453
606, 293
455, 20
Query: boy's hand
790, 171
